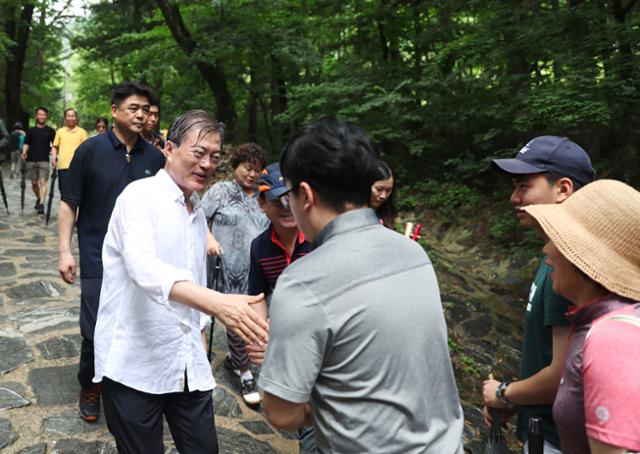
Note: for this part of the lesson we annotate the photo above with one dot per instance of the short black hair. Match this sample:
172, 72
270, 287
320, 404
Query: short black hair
102, 120
553, 178
200, 119
336, 158
248, 152
122, 91
70, 109
43, 109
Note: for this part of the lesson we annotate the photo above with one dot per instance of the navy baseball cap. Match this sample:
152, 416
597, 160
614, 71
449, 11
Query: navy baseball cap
550, 154
271, 183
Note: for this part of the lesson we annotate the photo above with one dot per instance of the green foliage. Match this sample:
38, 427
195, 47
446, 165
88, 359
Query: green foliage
444, 197
503, 226
43, 75
442, 87
446, 85
469, 366
91, 85
454, 347
5, 42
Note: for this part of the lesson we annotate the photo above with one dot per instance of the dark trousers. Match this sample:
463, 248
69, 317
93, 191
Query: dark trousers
89, 300
239, 357
135, 419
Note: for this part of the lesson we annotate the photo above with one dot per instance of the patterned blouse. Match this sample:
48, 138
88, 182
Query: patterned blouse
237, 220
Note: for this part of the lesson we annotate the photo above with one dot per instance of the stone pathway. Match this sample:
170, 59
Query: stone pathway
40, 345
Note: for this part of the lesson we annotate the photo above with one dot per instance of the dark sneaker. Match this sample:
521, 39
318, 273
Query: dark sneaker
35, 207
90, 403
250, 392
40, 208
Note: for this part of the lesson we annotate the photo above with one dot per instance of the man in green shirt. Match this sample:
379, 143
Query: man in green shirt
546, 170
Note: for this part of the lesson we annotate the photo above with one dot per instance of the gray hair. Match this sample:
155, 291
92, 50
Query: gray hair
198, 119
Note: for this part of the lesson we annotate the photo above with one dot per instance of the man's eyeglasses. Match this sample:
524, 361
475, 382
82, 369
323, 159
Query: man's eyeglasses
214, 158
284, 198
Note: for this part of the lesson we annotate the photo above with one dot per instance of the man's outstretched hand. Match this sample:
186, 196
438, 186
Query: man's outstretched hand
235, 312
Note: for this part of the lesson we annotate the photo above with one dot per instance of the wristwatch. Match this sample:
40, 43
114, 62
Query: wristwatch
500, 393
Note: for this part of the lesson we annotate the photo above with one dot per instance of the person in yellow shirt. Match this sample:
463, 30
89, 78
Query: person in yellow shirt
65, 143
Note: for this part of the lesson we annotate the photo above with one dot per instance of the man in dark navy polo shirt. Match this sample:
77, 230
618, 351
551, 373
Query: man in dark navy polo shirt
271, 252
101, 168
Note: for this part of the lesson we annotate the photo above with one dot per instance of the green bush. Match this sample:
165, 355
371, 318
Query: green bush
443, 197
504, 227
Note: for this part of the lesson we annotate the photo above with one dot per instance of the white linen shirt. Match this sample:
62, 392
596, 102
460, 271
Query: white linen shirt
143, 339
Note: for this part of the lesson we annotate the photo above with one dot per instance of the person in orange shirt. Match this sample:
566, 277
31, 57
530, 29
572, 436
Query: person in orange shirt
67, 139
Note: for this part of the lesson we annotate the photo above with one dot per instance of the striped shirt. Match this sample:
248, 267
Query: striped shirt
269, 258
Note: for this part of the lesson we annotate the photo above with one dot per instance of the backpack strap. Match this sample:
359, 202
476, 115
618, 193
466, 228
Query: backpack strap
625, 318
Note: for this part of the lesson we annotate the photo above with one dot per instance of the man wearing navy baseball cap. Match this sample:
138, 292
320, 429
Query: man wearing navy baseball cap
546, 170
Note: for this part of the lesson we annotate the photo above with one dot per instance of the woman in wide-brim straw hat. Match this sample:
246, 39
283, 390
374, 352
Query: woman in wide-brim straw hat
594, 250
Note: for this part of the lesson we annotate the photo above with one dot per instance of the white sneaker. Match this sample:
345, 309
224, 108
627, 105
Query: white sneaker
250, 392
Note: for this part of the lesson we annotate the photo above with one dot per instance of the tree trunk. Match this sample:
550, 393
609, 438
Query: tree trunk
446, 27
212, 72
360, 42
620, 12
252, 107
17, 29
384, 48
388, 37
278, 100
557, 68
519, 65
628, 124
417, 38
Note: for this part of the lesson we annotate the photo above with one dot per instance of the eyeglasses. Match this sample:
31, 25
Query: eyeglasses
214, 158
284, 198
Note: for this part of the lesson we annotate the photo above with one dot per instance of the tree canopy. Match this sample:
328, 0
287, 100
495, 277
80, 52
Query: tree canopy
441, 85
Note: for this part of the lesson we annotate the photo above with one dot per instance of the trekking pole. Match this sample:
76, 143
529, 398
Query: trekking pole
23, 184
213, 320
52, 190
536, 436
4, 193
215, 282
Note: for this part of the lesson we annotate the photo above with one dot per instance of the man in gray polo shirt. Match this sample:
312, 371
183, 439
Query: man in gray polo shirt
358, 341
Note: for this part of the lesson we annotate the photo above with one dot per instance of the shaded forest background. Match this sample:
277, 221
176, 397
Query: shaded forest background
443, 86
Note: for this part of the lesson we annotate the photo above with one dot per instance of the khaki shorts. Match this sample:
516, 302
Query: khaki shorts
38, 170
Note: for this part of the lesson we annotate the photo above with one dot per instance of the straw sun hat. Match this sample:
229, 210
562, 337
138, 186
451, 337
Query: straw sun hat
598, 230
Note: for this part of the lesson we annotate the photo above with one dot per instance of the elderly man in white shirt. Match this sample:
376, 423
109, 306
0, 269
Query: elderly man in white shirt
148, 353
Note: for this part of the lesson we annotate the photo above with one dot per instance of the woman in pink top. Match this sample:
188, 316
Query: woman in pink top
594, 250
